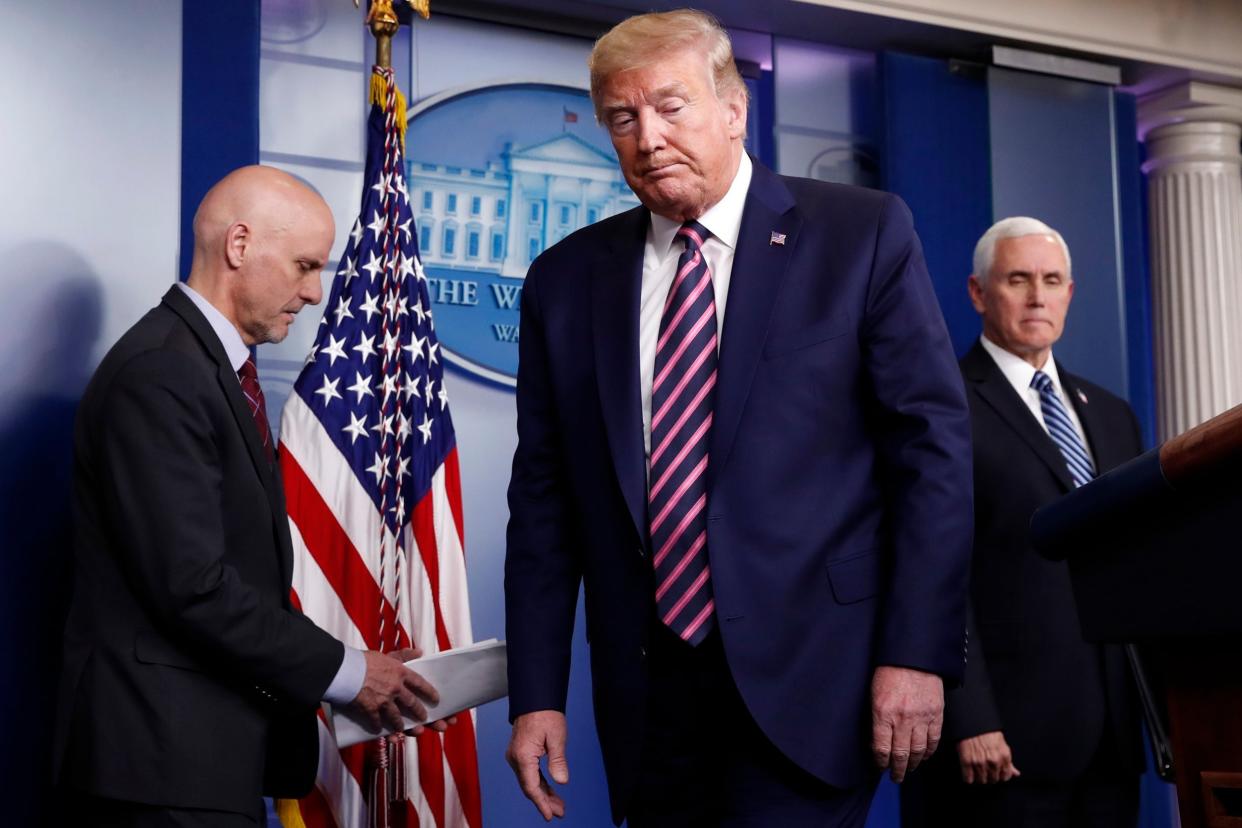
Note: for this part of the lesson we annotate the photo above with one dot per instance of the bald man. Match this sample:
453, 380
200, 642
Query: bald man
190, 682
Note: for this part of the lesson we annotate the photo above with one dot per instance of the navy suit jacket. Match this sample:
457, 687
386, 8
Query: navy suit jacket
839, 484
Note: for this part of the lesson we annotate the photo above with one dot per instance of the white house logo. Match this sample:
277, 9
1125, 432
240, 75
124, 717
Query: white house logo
497, 175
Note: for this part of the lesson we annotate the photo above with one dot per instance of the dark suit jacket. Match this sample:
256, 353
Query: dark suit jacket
838, 485
1030, 674
187, 675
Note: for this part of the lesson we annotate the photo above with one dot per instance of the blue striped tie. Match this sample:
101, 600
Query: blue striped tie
682, 400
1062, 430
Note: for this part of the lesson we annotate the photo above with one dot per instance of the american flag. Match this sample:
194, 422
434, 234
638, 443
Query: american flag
374, 498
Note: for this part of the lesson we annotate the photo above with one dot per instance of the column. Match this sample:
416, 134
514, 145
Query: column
1193, 135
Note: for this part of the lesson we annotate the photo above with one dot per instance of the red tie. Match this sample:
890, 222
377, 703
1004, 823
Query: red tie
249, 376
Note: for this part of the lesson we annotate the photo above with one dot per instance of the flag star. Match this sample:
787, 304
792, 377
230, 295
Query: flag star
405, 229
406, 268
400, 508
443, 397
430, 390
431, 350
377, 468
342, 310
381, 186
366, 347
403, 471
384, 426
361, 386
425, 428
336, 348
369, 307
356, 428
418, 269
328, 390
349, 269
410, 387
415, 348
403, 426
392, 343
419, 312
373, 267
378, 224
403, 307
356, 233
389, 386
314, 351
399, 183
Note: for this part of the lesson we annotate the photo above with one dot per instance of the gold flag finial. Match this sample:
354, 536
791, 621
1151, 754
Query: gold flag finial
384, 24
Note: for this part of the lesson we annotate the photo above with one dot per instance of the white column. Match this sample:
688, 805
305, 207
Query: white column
1194, 167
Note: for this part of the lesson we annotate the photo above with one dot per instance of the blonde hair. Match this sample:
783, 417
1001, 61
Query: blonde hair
645, 38
1013, 227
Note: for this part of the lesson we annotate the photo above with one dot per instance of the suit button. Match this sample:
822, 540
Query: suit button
642, 653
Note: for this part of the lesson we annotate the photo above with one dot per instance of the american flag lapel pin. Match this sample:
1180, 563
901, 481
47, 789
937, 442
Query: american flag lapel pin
777, 239
1082, 398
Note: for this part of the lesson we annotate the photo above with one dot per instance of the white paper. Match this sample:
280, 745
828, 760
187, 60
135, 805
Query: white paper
464, 678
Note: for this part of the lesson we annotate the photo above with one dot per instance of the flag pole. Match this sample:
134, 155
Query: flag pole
384, 24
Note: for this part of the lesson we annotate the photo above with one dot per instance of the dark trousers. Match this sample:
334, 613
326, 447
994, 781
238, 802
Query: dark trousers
706, 764
79, 809
1104, 796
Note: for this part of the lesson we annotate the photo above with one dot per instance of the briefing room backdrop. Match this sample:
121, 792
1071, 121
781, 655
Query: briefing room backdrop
129, 151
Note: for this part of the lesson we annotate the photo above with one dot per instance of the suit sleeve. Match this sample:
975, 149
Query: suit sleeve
542, 570
163, 481
970, 709
922, 429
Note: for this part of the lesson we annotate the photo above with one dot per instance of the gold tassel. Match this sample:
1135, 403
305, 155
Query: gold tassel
289, 813
379, 94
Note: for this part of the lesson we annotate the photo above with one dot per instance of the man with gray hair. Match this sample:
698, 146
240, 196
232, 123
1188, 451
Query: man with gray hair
769, 506
1045, 726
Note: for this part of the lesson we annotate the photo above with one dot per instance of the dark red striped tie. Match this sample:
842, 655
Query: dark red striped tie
249, 376
682, 398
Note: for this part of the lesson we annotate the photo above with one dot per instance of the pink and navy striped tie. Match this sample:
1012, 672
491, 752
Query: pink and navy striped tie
682, 398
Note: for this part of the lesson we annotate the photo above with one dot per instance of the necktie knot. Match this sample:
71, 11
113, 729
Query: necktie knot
693, 234
1041, 382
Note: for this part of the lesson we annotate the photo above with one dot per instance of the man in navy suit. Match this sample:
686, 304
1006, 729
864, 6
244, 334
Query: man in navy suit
1045, 726
769, 504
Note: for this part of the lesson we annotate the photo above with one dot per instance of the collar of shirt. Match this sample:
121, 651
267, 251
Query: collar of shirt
723, 219
1018, 371
234, 347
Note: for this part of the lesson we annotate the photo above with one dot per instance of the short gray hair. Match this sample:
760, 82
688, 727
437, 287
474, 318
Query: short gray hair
645, 38
1012, 228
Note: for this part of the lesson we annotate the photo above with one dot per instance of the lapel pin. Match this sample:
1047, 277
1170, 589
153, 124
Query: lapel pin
777, 239
1082, 398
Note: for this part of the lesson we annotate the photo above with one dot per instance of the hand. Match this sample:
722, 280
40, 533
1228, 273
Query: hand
907, 709
534, 734
390, 689
986, 759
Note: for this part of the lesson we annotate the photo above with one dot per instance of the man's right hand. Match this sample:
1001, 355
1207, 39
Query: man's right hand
534, 734
390, 689
986, 759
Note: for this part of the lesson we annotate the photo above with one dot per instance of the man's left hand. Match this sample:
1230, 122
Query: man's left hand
907, 710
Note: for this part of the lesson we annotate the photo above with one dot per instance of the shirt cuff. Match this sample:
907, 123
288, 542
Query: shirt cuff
348, 679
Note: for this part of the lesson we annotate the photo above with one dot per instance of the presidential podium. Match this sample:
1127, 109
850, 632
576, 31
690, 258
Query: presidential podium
1155, 556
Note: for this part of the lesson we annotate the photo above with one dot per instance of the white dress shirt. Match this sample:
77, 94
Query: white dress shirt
353, 670
723, 220
1019, 372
